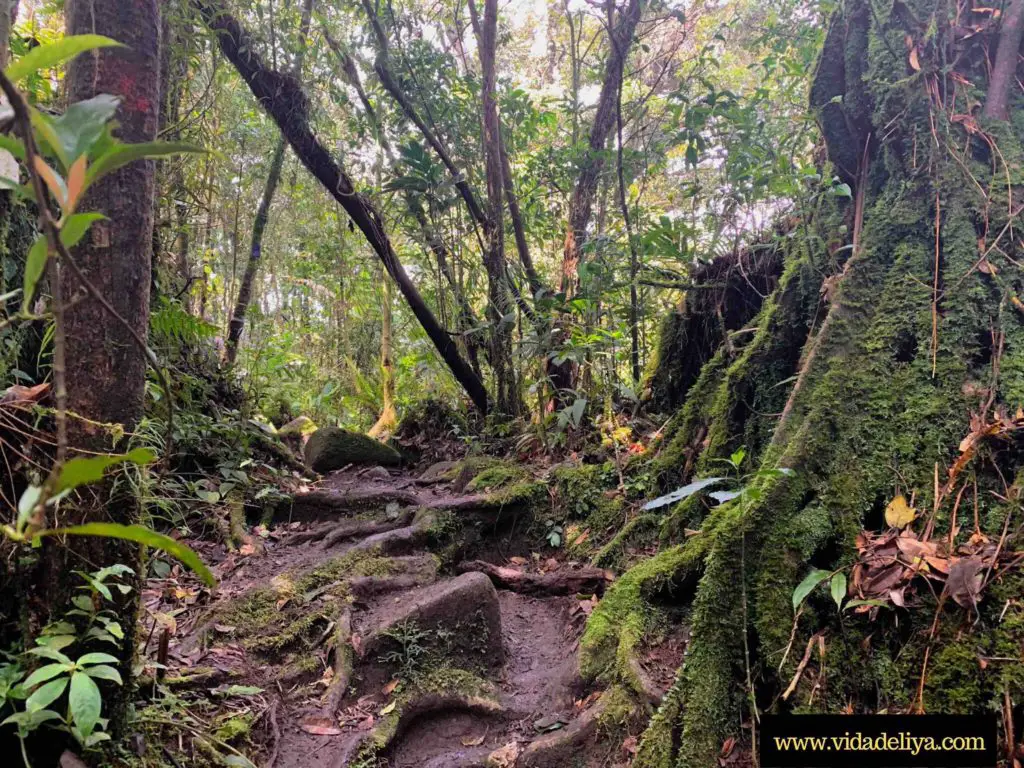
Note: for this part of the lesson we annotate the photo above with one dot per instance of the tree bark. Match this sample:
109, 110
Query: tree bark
285, 102
499, 306
1004, 71
388, 418
106, 369
259, 226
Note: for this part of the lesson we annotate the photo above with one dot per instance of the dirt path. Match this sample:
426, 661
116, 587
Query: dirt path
445, 671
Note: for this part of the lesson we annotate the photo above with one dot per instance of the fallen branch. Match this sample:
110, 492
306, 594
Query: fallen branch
565, 581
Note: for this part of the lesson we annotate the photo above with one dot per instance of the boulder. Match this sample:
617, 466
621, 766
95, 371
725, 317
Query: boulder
298, 427
331, 448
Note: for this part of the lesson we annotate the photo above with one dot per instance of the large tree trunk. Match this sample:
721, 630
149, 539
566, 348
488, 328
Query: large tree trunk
284, 100
885, 348
106, 369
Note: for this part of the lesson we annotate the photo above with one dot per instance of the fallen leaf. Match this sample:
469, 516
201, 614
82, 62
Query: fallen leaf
964, 581
470, 741
915, 62
388, 689
504, 757
389, 708
518, 560
629, 745
320, 726
898, 513
366, 724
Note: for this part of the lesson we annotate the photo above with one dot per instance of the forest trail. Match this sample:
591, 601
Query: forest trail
437, 667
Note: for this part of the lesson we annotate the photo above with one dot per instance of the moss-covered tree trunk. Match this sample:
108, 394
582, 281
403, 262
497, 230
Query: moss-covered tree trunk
895, 331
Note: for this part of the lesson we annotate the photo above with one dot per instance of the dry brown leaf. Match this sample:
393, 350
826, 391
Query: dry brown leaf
518, 560
320, 726
504, 757
473, 741
388, 689
915, 61
964, 581
899, 514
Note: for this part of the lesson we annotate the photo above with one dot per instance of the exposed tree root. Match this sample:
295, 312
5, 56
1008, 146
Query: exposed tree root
356, 528
343, 660
557, 749
365, 587
565, 581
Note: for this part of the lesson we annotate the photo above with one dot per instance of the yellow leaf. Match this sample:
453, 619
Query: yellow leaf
76, 180
915, 62
899, 514
389, 708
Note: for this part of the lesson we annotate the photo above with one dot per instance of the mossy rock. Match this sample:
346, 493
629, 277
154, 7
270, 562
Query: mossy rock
331, 448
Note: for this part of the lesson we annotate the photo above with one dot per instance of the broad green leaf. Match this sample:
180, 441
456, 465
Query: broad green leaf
45, 673
80, 471
122, 154
46, 694
35, 265
75, 226
681, 493
48, 137
52, 54
50, 653
838, 587
142, 535
871, 603
96, 658
82, 124
15, 146
104, 672
811, 580
56, 641
84, 702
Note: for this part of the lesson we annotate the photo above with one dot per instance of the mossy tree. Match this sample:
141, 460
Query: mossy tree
870, 360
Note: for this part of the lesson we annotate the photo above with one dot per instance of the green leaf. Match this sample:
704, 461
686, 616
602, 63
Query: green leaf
35, 265
75, 226
142, 535
15, 146
872, 603
27, 502
52, 54
84, 702
122, 154
48, 136
96, 658
104, 672
56, 641
80, 471
46, 694
51, 654
82, 125
838, 587
811, 580
45, 673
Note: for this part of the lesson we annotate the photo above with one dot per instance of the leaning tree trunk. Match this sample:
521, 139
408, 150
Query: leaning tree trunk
106, 369
890, 376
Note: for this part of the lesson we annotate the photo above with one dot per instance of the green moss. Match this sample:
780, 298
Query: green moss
444, 680
332, 448
234, 728
619, 622
497, 476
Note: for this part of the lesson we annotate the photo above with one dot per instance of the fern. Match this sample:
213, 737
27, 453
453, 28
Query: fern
170, 322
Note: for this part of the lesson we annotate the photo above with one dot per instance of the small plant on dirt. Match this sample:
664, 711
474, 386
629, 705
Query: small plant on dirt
411, 648
555, 533
88, 621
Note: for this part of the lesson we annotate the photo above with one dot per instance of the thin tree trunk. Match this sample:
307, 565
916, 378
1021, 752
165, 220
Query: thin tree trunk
1004, 71
287, 105
259, 226
634, 259
106, 369
388, 415
499, 306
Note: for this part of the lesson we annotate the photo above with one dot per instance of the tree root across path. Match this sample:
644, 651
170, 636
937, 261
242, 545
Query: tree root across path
565, 581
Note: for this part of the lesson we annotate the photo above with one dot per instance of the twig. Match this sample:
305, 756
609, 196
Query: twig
800, 668
276, 731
